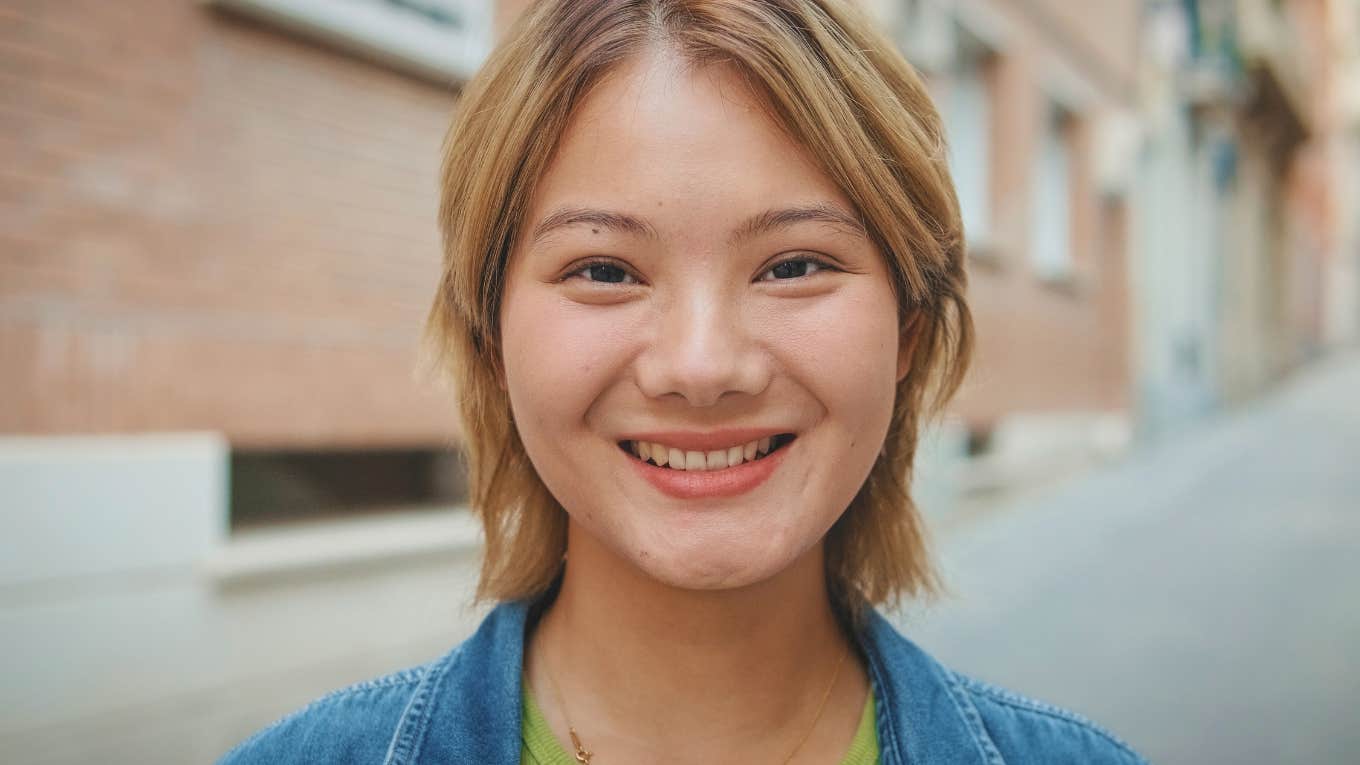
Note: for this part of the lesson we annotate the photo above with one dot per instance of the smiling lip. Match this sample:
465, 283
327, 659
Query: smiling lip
703, 484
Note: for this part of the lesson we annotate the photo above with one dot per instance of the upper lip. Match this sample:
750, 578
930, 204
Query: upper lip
703, 441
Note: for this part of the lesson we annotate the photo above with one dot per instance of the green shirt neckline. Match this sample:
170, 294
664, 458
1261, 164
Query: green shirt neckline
541, 747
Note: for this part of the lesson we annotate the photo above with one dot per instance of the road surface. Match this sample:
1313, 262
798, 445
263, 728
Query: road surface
1201, 599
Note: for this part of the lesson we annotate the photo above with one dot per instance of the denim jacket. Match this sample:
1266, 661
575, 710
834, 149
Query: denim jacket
465, 708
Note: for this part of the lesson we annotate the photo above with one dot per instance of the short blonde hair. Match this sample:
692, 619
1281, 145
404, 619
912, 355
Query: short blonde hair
841, 90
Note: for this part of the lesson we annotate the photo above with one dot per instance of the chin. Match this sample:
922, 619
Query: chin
713, 566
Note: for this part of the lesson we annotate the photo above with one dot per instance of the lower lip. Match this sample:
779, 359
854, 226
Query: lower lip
704, 484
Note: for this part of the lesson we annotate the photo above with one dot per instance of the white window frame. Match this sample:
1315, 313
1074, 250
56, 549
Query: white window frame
1051, 245
968, 114
400, 33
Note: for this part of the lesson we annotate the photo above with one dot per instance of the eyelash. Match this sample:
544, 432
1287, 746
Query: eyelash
586, 265
821, 264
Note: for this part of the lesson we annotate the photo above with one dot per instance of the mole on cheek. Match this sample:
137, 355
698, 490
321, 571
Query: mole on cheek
594, 231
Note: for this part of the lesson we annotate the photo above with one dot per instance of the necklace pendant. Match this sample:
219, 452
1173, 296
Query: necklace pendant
582, 755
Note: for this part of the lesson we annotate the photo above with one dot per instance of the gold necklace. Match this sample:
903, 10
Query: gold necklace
583, 755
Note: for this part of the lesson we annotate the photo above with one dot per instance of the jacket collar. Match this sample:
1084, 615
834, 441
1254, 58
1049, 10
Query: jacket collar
467, 706
924, 715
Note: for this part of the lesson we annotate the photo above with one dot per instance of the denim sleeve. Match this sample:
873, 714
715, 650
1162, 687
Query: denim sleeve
1028, 732
353, 725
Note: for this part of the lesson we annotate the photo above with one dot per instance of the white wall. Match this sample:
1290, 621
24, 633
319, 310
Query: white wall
136, 629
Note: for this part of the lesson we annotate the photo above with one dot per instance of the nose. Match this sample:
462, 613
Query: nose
702, 351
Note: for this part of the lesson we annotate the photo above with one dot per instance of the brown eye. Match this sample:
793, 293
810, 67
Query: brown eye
793, 268
602, 272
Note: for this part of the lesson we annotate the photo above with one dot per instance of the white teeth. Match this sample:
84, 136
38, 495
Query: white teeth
676, 459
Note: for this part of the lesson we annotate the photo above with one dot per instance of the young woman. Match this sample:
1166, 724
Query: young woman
703, 281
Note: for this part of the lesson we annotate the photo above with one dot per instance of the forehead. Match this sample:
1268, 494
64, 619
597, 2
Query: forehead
660, 137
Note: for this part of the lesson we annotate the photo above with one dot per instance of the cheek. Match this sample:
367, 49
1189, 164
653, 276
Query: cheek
559, 356
845, 352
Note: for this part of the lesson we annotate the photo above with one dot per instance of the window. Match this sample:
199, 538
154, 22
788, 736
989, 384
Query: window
1051, 242
279, 487
441, 39
956, 50
968, 128
924, 30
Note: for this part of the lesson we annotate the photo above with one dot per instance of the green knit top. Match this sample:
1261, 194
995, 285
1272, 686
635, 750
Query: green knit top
540, 746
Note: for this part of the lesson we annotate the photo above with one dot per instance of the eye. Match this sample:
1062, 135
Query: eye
794, 268
602, 272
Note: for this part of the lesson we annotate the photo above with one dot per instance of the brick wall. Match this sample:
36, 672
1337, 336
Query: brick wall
210, 225
1044, 346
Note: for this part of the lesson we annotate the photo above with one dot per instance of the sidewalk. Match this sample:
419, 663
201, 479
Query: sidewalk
1201, 599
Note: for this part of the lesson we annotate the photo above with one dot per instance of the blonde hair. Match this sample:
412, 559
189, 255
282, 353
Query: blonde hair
841, 90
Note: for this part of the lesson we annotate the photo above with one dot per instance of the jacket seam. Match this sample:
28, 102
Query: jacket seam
405, 739
968, 710
1026, 704
404, 677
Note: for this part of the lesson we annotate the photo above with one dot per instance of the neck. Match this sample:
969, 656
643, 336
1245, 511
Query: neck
656, 671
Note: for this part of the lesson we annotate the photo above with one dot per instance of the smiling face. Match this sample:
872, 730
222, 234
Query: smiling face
688, 282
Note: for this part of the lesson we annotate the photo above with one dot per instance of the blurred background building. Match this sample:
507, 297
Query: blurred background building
225, 489
1247, 198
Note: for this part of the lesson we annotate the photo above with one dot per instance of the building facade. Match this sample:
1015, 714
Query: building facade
1247, 244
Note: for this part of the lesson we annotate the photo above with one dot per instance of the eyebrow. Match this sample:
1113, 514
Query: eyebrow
761, 223
821, 212
575, 216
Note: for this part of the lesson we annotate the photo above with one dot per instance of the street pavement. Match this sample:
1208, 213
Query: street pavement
1201, 599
